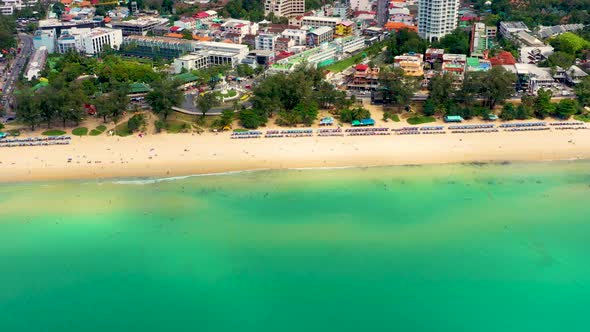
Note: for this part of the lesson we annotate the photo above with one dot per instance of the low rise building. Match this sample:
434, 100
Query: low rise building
46, 38
36, 63
9, 7
320, 21
349, 44
574, 75
508, 29
265, 41
241, 27
298, 36
320, 35
454, 64
434, 55
364, 78
283, 44
411, 63
187, 23
534, 55
139, 27
97, 39
476, 65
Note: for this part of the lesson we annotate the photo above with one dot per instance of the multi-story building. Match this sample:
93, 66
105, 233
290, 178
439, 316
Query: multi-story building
437, 18
162, 47
454, 64
299, 36
508, 29
349, 44
70, 40
320, 21
266, 41
344, 28
286, 8
209, 54
98, 38
320, 35
480, 40
206, 17
187, 23
139, 26
412, 64
283, 44
8, 7
241, 27
361, 5
45, 38
434, 55
364, 78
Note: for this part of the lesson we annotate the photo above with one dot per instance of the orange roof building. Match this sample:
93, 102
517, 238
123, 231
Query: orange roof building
202, 38
389, 26
66, 2
174, 35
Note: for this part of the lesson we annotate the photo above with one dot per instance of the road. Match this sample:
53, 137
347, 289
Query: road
26, 44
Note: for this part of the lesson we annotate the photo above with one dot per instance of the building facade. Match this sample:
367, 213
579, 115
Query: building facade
265, 41
96, 41
437, 18
315, 37
8, 7
45, 38
286, 8
320, 21
140, 26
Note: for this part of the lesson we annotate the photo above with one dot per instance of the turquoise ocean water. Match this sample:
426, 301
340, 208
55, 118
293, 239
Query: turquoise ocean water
416, 248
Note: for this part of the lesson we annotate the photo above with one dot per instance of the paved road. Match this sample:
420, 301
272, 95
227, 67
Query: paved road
18, 66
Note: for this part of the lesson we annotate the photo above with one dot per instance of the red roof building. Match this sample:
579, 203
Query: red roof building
503, 58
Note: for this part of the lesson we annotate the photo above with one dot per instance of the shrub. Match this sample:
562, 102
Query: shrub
53, 132
82, 131
135, 122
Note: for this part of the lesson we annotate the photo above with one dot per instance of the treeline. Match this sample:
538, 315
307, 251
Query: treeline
479, 93
540, 106
7, 32
540, 12
406, 41
293, 98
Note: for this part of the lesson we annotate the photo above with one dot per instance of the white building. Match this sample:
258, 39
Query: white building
45, 38
350, 44
89, 41
286, 8
240, 27
298, 36
187, 23
71, 40
507, 29
95, 41
320, 21
8, 7
437, 18
209, 54
265, 41
36, 63
361, 5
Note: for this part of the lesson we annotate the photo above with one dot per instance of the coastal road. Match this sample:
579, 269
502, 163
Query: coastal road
26, 44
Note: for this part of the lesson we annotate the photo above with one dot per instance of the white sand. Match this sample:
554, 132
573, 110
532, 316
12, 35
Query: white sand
183, 154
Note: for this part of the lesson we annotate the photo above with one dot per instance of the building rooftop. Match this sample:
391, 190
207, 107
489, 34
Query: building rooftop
140, 22
321, 30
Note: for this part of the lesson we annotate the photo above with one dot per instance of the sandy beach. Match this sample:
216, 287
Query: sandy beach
165, 155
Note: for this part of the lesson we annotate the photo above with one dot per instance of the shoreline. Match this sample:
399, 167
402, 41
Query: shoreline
176, 155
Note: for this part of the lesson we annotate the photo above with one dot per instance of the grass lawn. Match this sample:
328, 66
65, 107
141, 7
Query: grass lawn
98, 130
175, 126
53, 132
122, 130
229, 94
82, 131
420, 120
341, 65
582, 117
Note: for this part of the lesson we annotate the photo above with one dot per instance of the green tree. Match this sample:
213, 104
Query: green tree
508, 112
497, 86
251, 119
206, 102
543, 105
164, 95
27, 109
566, 108
429, 108
187, 34
135, 122
58, 9
582, 90
397, 88
456, 42
442, 89
357, 113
